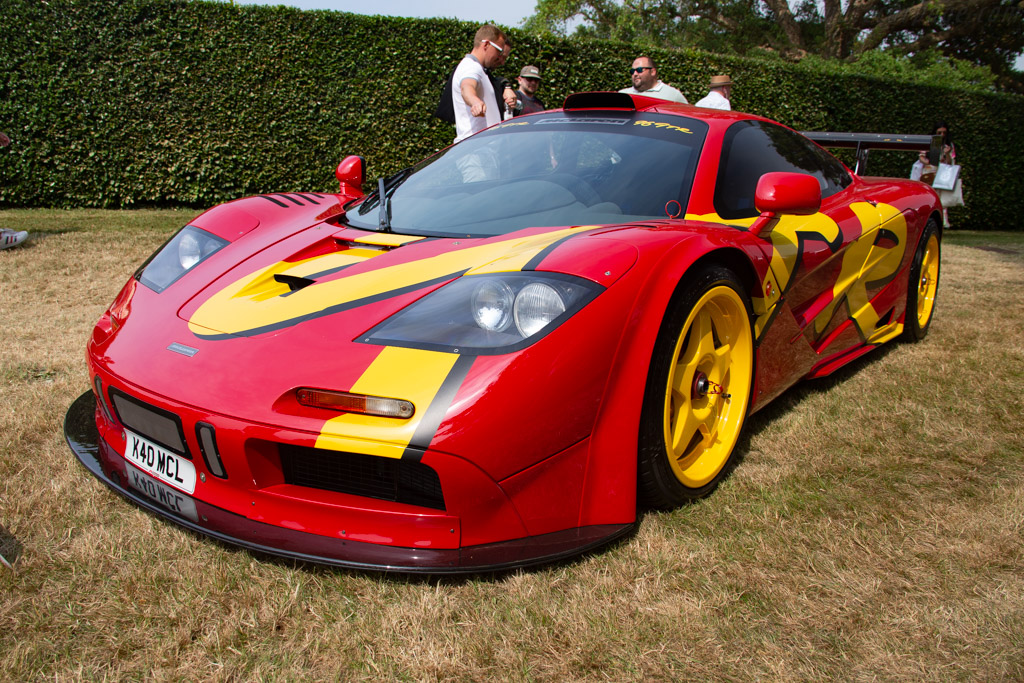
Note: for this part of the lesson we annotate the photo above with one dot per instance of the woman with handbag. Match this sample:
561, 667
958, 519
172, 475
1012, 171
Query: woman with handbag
944, 178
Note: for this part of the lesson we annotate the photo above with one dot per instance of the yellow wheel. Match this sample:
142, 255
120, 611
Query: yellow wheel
698, 390
923, 285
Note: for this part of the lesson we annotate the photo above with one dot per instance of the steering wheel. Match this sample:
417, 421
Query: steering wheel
581, 189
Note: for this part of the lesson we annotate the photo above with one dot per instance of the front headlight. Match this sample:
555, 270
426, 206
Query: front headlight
487, 314
536, 306
492, 305
180, 254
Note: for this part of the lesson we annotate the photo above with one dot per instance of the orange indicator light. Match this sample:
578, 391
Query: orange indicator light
355, 403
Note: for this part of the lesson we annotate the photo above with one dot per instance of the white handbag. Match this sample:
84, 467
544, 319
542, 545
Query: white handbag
946, 176
954, 197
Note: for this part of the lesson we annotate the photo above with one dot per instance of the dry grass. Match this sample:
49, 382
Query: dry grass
873, 531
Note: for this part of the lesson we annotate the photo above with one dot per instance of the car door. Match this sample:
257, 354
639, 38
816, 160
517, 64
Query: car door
820, 263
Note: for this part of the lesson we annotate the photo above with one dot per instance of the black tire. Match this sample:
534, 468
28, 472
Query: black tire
923, 284
698, 390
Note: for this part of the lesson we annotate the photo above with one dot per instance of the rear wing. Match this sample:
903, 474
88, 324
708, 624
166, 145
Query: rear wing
864, 142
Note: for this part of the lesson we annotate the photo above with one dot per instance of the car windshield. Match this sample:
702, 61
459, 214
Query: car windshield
566, 168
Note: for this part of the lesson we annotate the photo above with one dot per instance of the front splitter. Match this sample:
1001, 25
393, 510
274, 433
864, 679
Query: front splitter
105, 464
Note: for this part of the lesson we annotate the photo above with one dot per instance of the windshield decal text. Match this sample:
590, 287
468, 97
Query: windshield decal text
575, 120
661, 124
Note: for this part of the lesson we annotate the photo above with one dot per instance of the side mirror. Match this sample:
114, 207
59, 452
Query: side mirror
350, 176
797, 194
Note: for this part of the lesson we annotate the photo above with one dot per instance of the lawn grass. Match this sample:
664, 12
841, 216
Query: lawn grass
872, 531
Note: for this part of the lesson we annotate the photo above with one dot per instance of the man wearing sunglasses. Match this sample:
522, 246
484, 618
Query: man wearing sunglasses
644, 75
476, 102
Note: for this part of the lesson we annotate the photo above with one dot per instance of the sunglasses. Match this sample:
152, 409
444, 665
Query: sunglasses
639, 69
496, 47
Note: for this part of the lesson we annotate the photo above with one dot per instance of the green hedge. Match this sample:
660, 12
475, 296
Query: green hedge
170, 103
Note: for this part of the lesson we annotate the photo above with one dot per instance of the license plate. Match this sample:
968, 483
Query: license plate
173, 500
166, 466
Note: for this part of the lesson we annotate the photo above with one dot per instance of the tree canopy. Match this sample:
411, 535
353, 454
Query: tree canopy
989, 33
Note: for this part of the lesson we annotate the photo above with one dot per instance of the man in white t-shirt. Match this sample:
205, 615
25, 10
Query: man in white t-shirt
644, 74
472, 92
718, 98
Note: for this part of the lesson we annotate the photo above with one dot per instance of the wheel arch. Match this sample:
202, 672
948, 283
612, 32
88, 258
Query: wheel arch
937, 217
913, 329
610, 489
934, 215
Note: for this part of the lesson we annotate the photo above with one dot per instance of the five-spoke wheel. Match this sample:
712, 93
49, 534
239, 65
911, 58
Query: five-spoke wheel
698, 389
923, 285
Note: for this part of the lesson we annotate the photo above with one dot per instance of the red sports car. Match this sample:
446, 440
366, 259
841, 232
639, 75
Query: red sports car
494, 357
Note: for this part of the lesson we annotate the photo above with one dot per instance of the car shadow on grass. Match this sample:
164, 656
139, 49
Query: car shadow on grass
783, 403
399, 577
779, 407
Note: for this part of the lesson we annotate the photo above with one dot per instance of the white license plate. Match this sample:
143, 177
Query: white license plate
166, 466
173, 500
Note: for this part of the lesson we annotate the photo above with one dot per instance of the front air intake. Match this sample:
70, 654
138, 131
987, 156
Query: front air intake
207, 437
151, 422
397, 480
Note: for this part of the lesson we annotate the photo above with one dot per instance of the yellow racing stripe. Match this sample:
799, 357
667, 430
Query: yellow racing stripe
408, 374
389, 239
517, 255
254, 302
262, 285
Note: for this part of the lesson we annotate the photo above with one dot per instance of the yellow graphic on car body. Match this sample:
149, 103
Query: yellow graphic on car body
872, 256
388, 239
263, 285
389, 376
257, 302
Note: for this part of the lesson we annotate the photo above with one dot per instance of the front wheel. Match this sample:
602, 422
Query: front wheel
923, 285
698, 390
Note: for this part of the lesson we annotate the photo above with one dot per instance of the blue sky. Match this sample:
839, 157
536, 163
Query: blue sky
507, 12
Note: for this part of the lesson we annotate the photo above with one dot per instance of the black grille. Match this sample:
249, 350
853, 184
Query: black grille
155, 424
401, 481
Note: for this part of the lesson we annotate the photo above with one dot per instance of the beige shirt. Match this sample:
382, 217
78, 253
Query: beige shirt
660, 90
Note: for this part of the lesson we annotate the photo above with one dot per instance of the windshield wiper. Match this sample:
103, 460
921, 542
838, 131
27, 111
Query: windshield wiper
384, 219
385, 188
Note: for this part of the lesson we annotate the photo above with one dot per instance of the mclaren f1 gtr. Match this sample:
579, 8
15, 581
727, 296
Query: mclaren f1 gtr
495, 357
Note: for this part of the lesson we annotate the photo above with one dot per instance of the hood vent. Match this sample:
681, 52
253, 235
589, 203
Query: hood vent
293, 199
294, 282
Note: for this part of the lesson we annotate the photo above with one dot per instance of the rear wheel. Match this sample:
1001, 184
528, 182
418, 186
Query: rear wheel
923, 285
698, 390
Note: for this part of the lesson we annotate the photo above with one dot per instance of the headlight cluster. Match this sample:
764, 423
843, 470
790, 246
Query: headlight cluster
487, 314
182, 252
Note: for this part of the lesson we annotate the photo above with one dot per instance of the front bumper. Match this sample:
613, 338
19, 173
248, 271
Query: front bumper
113, 470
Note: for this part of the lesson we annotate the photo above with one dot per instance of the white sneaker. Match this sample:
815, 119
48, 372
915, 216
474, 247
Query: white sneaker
9, 238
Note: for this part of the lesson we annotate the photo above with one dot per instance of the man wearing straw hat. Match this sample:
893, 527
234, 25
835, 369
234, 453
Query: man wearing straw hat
718, 98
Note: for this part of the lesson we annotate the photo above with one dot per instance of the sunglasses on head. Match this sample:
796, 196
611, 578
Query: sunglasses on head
639, 69
496, 47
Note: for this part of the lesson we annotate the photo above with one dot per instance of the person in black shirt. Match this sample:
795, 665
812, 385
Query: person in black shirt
527, 101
